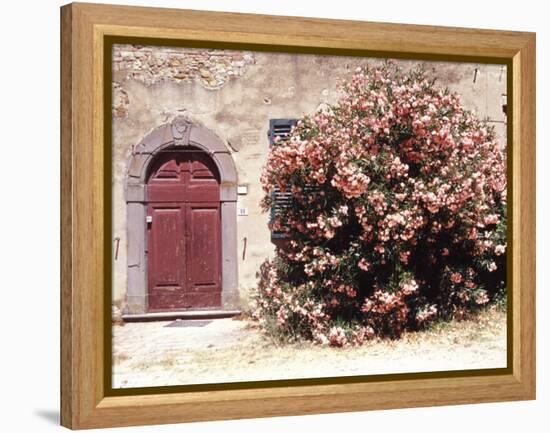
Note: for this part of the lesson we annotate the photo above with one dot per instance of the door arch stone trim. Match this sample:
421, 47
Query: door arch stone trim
178, 133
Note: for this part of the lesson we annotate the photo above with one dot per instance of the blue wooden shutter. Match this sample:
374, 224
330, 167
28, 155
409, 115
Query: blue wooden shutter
281, 200
280, 128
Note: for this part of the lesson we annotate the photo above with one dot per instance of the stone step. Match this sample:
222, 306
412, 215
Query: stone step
173, 315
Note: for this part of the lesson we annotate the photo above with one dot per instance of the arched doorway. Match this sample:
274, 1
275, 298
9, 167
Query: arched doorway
185, 166
183, 231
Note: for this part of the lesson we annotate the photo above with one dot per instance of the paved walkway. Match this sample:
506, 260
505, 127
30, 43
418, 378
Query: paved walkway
227, 350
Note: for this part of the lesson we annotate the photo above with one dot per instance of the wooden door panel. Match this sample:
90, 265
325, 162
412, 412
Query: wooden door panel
166, 193
165, 246
203, 179
203, 246
184, 242
203, 300
166, 255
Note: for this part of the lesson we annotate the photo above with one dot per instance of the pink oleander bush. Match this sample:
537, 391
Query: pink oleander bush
398, 216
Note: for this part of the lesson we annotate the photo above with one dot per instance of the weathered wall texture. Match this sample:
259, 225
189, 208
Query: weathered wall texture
234, 94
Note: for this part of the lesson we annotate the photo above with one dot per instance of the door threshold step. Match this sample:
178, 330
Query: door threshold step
186, 315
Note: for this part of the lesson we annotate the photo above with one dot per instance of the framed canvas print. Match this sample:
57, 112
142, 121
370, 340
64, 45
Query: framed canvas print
268, 216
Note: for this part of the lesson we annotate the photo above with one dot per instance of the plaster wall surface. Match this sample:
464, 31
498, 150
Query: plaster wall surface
234, 94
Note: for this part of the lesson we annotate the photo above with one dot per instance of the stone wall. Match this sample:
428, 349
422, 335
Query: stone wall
234, 94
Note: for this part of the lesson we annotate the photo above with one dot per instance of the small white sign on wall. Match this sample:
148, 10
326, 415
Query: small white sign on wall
242, 211
242, 189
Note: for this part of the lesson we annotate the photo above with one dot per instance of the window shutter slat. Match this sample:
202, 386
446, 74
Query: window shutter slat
281, 200
280, 128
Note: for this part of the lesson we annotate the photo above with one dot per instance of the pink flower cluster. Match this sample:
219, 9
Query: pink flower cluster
426, 314
398, 212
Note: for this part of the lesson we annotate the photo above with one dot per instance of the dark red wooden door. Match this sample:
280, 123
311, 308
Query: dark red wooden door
184, 241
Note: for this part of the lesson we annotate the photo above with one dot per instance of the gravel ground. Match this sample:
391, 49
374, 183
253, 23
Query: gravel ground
228, 350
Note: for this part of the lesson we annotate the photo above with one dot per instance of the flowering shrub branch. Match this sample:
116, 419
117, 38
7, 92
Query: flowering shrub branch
398, 215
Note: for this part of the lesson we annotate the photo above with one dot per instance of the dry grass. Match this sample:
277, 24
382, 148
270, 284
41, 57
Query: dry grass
479, 342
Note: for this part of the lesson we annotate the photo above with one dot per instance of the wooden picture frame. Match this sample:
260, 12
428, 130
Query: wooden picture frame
85, 401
